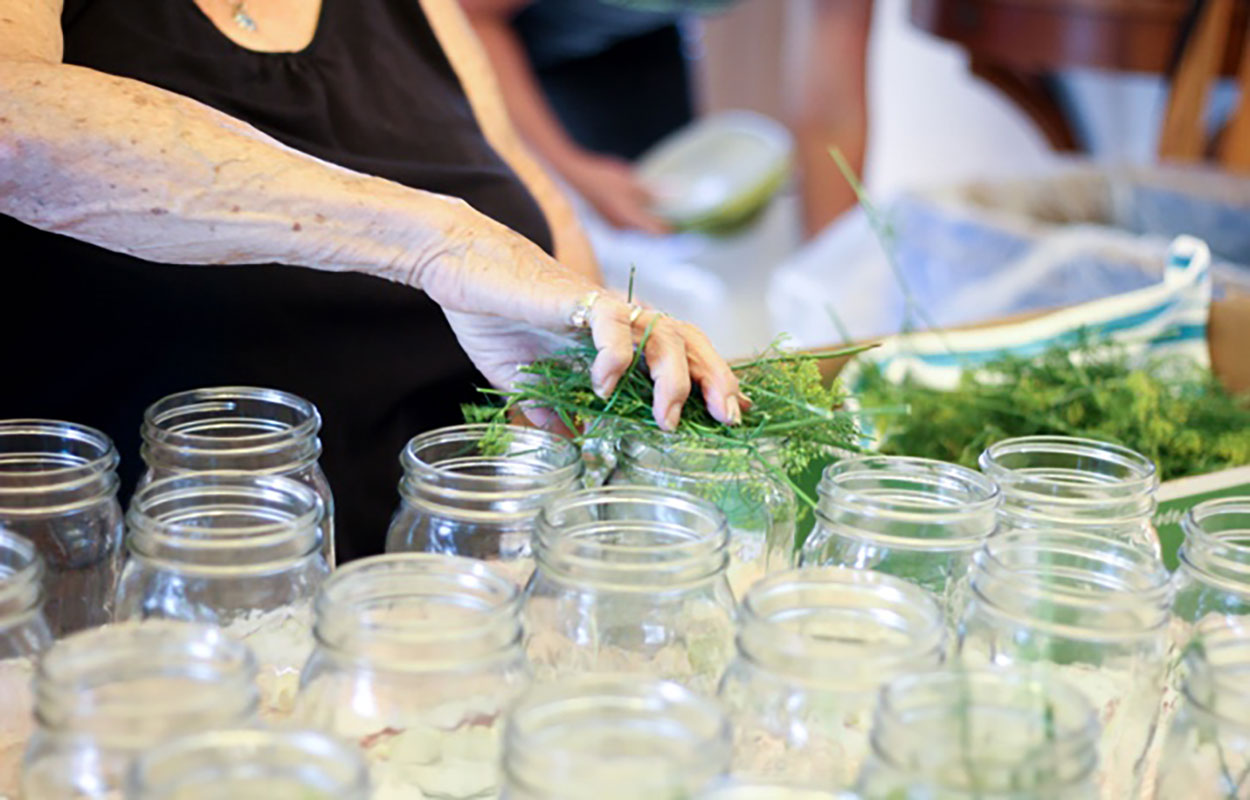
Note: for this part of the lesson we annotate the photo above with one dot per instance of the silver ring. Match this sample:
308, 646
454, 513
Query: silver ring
580, 318
635, 311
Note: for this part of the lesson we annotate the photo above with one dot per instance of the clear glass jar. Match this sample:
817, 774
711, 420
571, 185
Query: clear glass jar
914, 518
814, 648
760, 508
249, 764
1206, 753
1091, 610
1212, 578
24, 634
468, 491
58, 488
239, 551
977, 735
418, 656
104, 696
238, 429
614, 738
630, 579
1061, 482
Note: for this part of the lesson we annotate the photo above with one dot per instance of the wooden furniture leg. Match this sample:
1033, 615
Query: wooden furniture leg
1033, 95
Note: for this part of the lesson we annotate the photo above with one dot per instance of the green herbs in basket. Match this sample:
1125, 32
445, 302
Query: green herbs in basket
793, 409
1172, 411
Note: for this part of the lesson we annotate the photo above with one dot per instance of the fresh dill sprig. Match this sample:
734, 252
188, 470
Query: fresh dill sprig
793, 412
1173, 412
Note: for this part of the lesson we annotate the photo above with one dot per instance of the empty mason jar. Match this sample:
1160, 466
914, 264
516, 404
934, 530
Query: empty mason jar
759, 506
1206, 753
615, 739
1061, 482
239, 551
249, 764
630, 579
914, 518
24, 634
1001, 734
238, 429
1093, 611
418, 656
105, 696
58, 488
469, 491
814, 648
1213, 576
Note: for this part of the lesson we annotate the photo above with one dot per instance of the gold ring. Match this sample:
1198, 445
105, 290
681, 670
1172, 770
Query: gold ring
580, 318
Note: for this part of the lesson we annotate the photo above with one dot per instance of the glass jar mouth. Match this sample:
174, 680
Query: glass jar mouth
1216, 679
1050, 727
664, 454
596, 730
126, 672
48, 465
21, 580
293, 760
942, 506
638, 538
225, 522
1217, 541
418, 612
1074, 584
231, 421
449, 462
1066, 470
837, 626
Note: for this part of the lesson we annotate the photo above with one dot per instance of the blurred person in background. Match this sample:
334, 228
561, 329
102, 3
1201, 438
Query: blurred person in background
593, 84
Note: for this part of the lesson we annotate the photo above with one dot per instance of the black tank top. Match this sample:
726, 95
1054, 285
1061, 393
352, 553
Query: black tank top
93, 336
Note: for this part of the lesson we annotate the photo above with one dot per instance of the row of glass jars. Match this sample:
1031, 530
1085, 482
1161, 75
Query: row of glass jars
58, 482
1081, 605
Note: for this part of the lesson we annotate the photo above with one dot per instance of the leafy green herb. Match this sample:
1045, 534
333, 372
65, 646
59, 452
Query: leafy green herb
793, 409
1173, 412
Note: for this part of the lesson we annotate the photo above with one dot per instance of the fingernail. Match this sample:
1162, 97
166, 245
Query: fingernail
733, 412
745, 398
672, 417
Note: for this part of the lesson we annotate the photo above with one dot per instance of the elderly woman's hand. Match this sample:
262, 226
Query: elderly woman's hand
510, 303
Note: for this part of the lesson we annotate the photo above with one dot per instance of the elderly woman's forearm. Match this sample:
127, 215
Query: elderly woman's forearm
143, 171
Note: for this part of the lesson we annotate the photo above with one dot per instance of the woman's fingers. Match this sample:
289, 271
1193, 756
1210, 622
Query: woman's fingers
719, 383
610, 329
665, 351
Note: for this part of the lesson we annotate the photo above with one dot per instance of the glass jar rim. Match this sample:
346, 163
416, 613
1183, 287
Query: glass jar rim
1098, 588
776, 601
21, 579
632, 447
1075, 736
189, 436
1142, 477
975, 494
568, 538
296, 537
98, 657
568, 470
1224, 554
65, 471
589, 701
353, 589
156, 773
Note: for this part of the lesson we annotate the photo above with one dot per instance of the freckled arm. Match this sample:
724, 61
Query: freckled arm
140, 170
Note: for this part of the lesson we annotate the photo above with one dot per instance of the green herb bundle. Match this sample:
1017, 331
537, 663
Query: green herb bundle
792, 408
1170, 410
